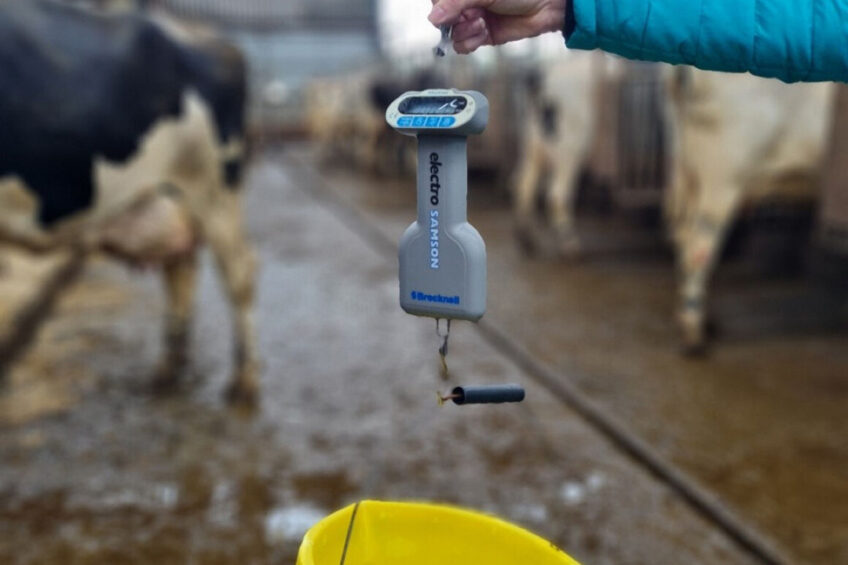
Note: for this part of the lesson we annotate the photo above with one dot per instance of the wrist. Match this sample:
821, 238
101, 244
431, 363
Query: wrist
556, 10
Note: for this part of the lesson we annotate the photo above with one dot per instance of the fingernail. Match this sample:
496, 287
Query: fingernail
437, 15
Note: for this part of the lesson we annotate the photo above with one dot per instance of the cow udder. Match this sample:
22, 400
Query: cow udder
156, 232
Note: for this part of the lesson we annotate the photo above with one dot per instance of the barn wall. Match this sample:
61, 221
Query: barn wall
287, 43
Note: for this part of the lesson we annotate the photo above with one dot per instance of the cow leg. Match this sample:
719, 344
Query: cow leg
236, 264
561, 195
699, 250
374, 157
180, 277
524, 199
674, 211
679, 203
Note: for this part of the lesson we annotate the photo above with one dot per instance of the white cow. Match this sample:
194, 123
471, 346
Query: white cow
343, 120
738, 140
560, 131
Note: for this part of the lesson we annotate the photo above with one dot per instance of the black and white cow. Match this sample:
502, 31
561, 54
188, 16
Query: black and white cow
558, 137
121, 134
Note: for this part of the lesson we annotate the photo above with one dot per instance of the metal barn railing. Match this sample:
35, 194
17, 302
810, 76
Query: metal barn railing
277, 14
642, 138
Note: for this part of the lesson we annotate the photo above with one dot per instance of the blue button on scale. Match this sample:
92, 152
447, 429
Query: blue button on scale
426, 121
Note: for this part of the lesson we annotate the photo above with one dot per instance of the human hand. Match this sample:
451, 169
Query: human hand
494, 22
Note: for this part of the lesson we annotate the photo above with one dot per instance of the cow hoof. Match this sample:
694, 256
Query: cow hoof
242, 394
694, 330
569, 248
526, 242
695, 345
695, 350
164, 383
167, 377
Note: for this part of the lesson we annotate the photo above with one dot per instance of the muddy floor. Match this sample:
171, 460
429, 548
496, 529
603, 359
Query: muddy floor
761, 421
98, 469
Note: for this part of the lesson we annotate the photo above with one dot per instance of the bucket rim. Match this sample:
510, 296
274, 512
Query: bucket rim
444, 509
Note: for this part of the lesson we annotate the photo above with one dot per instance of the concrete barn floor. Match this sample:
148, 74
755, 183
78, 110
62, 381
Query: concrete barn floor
97, 469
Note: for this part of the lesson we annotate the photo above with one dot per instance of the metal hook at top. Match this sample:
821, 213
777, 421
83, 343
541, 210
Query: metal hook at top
441, 49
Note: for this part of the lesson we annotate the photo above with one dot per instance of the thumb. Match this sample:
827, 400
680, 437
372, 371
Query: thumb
448, 11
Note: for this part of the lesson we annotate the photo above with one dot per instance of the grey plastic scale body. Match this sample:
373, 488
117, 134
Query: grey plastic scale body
442, 257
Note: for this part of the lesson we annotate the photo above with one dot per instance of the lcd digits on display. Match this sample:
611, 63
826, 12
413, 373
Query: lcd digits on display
433, 105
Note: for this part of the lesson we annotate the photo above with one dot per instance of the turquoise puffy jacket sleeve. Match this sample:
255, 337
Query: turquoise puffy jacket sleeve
794, 40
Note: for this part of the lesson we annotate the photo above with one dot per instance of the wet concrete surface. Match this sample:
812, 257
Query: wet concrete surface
97, 469
761, 422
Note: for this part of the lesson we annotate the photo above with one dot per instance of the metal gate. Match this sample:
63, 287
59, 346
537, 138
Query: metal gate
643, 162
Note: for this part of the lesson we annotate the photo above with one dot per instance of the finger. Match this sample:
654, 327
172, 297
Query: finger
448, 11
471, 14
467, 30
472, 43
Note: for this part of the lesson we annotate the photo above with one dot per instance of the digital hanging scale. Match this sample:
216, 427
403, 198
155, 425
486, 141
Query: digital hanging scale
442, 257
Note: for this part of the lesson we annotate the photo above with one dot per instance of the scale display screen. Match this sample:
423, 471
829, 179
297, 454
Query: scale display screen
433, 105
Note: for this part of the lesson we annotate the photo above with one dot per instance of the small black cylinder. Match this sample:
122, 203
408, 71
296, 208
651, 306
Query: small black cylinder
496, 394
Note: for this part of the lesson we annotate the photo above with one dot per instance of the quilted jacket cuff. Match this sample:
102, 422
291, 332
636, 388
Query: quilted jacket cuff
580, 24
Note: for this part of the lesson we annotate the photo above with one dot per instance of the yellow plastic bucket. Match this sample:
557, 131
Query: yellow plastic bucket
399, 533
